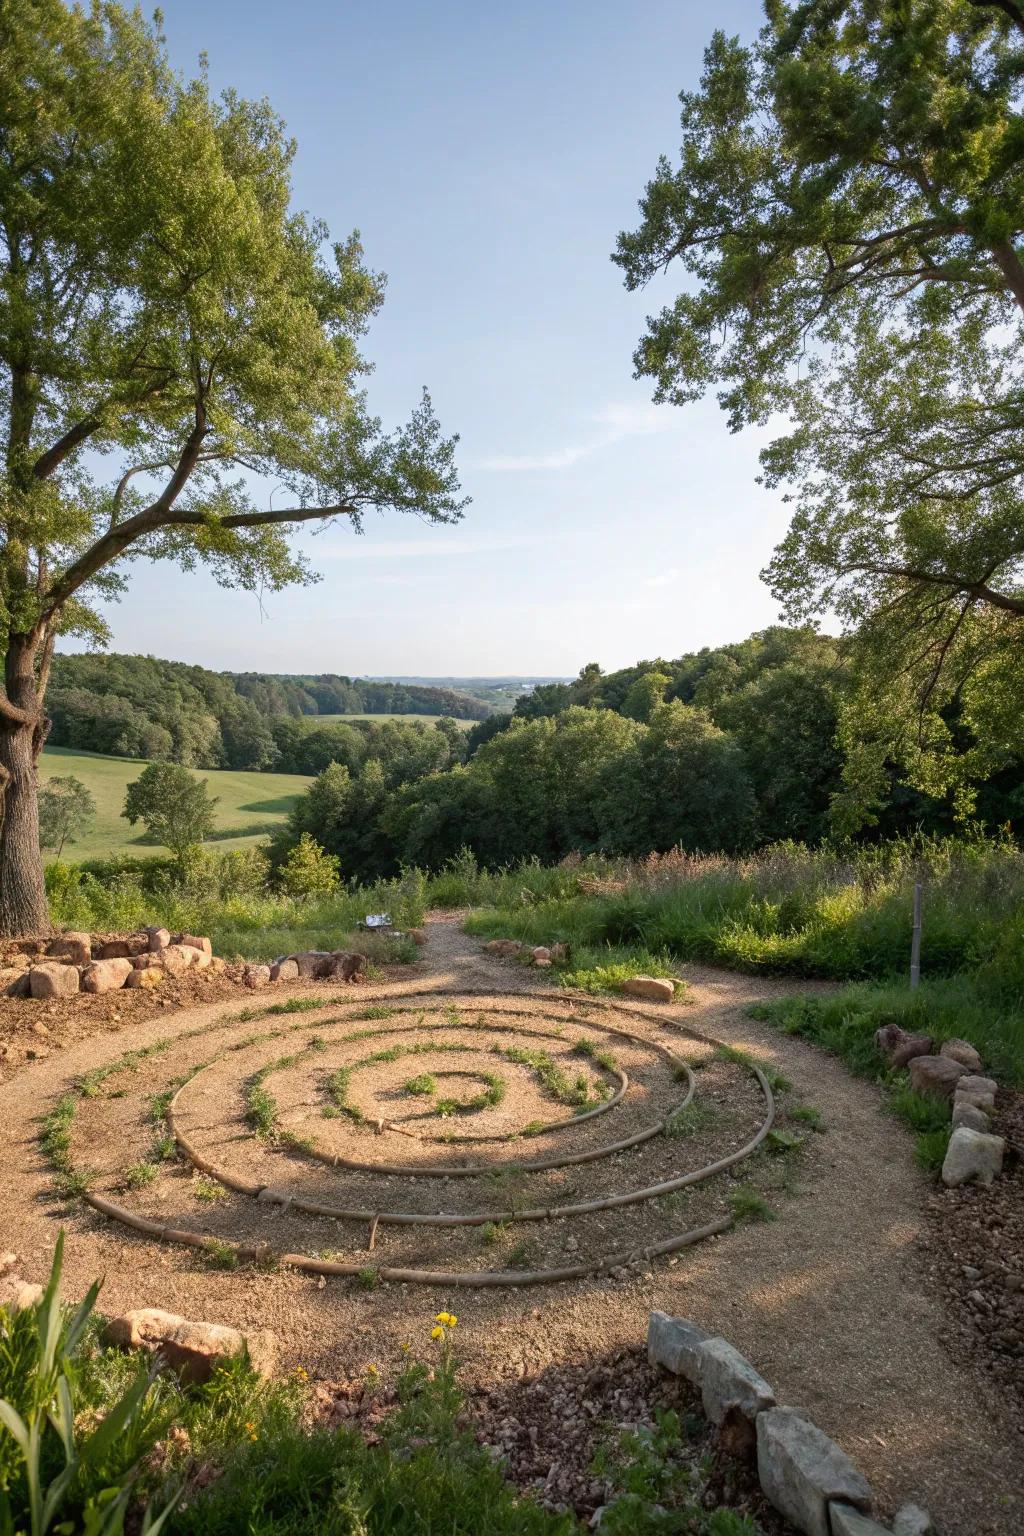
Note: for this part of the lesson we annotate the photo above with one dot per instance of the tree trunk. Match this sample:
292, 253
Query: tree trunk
23, 908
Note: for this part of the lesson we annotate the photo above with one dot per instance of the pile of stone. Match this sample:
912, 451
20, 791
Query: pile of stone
804, 1474
543, 956
952, 1073
82, 962
308, 965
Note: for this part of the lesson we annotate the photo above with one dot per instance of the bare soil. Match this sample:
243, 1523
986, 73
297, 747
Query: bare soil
834, 1301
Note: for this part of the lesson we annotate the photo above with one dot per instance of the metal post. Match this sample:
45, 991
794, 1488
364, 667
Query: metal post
915, 943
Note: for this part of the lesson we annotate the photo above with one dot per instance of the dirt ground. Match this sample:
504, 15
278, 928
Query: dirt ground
834, 1301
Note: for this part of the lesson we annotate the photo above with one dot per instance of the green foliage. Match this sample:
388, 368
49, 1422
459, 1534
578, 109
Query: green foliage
747, 1205
873, 299
57, 1462
424, 1085
691, 1119
66, 809
175, 808
307, 870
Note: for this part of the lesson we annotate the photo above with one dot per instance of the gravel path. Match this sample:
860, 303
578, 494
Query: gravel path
831, 1301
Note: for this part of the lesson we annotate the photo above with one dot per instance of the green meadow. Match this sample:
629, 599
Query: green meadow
249, 805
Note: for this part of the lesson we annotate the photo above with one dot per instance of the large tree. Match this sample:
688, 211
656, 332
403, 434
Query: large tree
848, 210
175, 341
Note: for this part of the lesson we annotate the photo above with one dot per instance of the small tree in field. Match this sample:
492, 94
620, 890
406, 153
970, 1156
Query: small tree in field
176, 340
66, 808
175, 808
308, 870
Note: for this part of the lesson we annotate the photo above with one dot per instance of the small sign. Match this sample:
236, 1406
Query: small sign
378, 920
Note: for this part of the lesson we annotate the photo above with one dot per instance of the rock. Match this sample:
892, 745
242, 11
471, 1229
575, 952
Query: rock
654, 988
899, 1046
912, 1520
559, 951
312, 963
965, 1113
847, 1521
147, 961
218, 966
147, 979
729, 1383
502, 947
178, 958
192, 1349
675, 1343
418, 936
256, 976
972, 1155
8, 1263
910, 1047
963, 1052
76, 948
935, 1076
51, 979
193, 942
541, 952
158, 938
284, 970
202, 961
801, 1470
114, 949
106, 975
17, 1294
347, 966
985, 1102
14, 982
981, 1085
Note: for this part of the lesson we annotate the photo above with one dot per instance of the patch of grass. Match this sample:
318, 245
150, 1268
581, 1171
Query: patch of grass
781, 1142
261, 1110
930, 1149
207, 1191
424, 1085
691, 1119
748, 1205
368, 1279
492, 1232
164, 1148
806, 1114
220, 1255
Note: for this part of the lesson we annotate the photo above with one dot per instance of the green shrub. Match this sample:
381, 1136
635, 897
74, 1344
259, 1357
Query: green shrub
307, 870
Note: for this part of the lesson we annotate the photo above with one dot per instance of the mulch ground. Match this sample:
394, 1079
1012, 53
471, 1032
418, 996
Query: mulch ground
974, 1244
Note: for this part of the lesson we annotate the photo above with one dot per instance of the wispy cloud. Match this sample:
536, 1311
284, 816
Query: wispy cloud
612, 425
663, 579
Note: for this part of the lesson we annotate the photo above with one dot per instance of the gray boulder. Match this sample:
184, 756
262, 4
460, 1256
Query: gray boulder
974, 1084
847, 1521
729, 1384
963, 1052
801, 1471
675, 1344
968, 1114
935, 1076
972, 1155
284, 970
912, 1520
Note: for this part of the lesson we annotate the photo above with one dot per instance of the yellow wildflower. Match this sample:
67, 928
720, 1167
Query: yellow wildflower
437, 1333
452, 1320
405, 1346
301, 1373
442, 1317
371, 1370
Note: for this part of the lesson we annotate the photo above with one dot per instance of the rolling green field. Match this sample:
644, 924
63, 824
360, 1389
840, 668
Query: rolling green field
250, 804
344, 719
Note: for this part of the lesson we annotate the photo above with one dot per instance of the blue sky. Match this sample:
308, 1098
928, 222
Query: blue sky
489, 155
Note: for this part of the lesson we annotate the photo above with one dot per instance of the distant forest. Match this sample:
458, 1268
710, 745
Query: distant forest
137, 706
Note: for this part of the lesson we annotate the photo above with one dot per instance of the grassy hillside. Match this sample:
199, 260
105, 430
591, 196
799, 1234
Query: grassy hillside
250, 804
344, 719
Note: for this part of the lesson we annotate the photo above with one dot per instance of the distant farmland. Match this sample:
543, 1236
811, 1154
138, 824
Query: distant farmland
251, 805
424, 719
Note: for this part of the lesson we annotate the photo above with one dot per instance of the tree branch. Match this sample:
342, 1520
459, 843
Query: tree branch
1008, 7
977, 589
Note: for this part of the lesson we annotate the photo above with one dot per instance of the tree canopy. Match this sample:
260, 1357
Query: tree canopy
175, 338
847, 210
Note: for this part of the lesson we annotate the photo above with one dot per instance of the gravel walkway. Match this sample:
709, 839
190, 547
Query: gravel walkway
831, 1301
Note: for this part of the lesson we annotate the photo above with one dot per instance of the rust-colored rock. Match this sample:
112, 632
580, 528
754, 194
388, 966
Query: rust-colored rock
75, 948
194, 942
418, 936
52, 979
655, 988
16, 1294
178, 958
106, 975
158, 938
150, 977
256, 976
935, 1076
502, 947
114, 949
194, 1350
14, 981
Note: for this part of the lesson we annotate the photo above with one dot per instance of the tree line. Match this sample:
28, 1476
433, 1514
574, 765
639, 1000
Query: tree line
726, 749
166, 711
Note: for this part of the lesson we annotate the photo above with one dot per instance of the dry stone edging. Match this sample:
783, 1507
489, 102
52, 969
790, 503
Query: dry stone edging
193, 1349
802, 1472
80, 962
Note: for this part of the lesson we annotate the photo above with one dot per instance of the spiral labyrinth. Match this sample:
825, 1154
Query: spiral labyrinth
459, 1139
